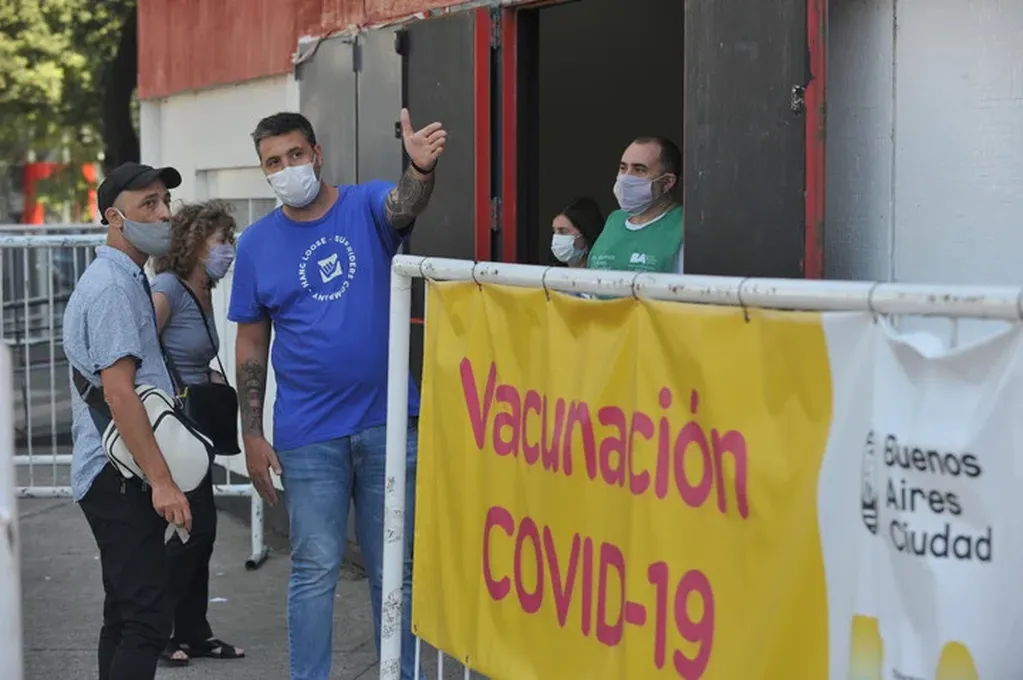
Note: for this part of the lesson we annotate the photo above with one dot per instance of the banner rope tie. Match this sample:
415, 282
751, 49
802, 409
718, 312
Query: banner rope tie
742, 302
870, 300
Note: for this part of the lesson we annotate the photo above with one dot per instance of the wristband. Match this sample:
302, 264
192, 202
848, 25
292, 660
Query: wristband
419, 169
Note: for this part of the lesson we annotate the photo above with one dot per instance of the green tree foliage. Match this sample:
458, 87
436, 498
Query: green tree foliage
57, 59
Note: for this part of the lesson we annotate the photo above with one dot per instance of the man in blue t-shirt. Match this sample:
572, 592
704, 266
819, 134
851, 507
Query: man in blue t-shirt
317, 272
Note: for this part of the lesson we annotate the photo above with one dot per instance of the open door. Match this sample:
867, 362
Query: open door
575, 90
753, 152
447, 78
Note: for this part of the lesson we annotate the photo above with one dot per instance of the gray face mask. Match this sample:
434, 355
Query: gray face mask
152, 238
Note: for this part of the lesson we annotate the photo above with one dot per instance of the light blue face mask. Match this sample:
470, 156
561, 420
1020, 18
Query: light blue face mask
219, 260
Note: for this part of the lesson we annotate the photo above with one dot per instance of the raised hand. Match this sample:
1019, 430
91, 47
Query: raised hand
425, 146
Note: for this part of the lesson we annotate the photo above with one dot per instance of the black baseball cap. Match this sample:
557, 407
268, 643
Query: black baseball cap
128, 177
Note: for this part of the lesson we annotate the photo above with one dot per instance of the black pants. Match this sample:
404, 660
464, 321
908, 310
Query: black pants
189, 568
137, 609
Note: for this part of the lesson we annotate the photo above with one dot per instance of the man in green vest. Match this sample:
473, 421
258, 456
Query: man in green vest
646, 234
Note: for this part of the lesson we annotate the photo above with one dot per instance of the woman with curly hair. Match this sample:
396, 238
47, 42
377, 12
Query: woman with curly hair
202, 250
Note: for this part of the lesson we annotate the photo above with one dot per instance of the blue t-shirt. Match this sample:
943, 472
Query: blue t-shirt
325, 286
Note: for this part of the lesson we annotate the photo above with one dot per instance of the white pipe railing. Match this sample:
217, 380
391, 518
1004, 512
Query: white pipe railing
11, 663
42, 228
973, 302
898, 299
33, 241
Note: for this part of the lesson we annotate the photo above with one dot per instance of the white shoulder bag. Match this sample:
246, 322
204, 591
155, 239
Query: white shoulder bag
185, 449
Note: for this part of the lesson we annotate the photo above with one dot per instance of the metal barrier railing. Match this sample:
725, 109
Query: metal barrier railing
38, 272
11, 660
949, 303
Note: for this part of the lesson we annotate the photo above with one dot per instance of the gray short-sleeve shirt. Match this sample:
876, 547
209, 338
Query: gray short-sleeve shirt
109, 316
184, 335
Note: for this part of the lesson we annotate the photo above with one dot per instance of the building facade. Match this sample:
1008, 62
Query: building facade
866, 139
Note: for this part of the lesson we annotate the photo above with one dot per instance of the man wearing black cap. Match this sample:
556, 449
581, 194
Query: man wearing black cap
110, 339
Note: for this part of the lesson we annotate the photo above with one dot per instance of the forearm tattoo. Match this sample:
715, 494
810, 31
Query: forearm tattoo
409, 198
252, 388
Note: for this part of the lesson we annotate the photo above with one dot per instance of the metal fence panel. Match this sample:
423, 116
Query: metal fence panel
11, 663
39, 267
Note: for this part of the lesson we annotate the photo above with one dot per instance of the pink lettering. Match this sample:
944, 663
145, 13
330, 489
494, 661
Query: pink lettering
562, 590
479, 410
579, 419
612, 448
610, 558
530, 601
508, 421
496, 517
532, 404
562, 435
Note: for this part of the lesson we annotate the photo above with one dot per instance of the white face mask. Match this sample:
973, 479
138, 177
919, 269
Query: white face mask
635, 194
563, 247
297, 186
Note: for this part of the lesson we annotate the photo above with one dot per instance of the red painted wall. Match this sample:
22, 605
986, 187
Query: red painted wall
194, 44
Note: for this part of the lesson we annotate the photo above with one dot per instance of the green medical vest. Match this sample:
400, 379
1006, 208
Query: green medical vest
654, 248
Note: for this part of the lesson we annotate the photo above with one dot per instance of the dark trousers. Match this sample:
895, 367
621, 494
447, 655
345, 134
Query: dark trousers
189, 567
137, 609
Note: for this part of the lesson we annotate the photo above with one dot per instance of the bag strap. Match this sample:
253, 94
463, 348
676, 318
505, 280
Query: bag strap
93, 396
99, 410
206, 324
90, 394
179, 385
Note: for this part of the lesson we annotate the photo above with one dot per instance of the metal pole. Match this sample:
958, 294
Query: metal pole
51, 240
259, 550
10, 564
977, 302
394, 485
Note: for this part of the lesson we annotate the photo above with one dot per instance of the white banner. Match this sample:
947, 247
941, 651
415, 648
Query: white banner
923, 555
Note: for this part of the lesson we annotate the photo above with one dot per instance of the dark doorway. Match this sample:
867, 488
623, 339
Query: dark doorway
592, 76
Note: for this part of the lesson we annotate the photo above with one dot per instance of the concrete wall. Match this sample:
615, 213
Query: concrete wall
925, 144
925, 141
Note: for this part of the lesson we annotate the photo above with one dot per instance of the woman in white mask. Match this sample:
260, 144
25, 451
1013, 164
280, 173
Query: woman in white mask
575, 230
201, 252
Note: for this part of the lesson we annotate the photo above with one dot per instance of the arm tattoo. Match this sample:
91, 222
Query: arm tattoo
409, 198
252, 384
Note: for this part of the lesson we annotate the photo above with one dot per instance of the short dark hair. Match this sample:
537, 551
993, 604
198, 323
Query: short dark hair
281, 124
671, 157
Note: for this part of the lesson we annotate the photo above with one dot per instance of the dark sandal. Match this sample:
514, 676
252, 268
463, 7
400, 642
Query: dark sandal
212, 649
168, 659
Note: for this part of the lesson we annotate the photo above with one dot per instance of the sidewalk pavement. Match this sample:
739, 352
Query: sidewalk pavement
62, 603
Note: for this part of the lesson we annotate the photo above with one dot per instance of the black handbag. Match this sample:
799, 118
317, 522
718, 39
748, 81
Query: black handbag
211, 406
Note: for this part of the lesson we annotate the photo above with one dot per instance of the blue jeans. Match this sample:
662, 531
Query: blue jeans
320, 480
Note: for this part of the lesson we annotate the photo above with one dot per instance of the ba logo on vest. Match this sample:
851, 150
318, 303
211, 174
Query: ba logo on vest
327, 268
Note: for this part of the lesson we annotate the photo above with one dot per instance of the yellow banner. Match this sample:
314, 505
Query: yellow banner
620, 489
